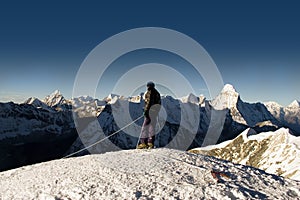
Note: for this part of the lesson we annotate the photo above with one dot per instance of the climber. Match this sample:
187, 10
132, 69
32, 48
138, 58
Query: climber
151, 110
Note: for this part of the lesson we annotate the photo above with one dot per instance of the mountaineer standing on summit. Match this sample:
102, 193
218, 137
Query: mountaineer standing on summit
151, 110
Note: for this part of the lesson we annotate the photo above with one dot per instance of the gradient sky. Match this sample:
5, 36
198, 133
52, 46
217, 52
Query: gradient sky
255, 45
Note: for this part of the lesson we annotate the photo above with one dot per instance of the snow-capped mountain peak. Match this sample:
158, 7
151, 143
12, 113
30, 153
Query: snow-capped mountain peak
191, 98
56, 92
228, 88
294, 104
37, 103
272, 104
54, 99
34, 101
227, 99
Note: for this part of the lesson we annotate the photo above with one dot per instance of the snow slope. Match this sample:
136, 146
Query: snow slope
31, 133
24, 119
37, 103
143, 174
275, 152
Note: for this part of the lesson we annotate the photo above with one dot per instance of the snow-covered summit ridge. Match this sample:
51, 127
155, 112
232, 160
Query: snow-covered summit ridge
228, 95
283, 133
276, 152
142, 174
55, 99
227, 98
272, 104
36, 103
228, 88
294, 104
289, 116
191, 98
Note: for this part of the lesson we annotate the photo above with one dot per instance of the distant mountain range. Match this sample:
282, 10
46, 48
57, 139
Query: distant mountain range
40, 130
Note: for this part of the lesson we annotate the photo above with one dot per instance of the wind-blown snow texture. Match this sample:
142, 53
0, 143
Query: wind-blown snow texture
143, 174
275, 152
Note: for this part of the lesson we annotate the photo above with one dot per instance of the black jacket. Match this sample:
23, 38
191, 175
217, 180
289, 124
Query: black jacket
152, 97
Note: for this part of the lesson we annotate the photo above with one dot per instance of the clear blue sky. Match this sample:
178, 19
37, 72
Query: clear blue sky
255, 45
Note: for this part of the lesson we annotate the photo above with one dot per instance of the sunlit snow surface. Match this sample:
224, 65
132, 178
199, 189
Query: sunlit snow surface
276, 152
143, 174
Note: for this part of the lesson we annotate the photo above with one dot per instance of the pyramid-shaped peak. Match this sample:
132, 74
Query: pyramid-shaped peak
228, 98
56, 92
229, 88
54, 99
294, 104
